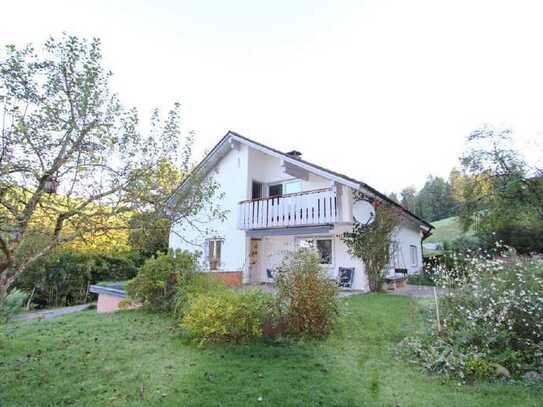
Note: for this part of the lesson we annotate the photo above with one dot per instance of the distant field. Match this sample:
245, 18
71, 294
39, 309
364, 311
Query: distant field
446, 230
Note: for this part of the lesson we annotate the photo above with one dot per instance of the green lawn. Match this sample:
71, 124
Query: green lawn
132, 358
447, 230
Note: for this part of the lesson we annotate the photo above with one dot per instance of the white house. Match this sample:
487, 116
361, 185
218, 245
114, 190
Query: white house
276, 201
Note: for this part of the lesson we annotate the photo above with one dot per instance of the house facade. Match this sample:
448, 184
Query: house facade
276, 202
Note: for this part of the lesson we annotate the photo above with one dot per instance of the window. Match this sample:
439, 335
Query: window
276, 190
413, 254
293, 187
323, 246
257, 190
214, 247
395, 254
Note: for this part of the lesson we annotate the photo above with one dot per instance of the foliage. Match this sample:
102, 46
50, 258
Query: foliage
62, 278
227, 315
74, 162
490, 314
436, 199
148, 235
12, 304
372, 243
306, 297
191, 284
422, 278
155, 284
502, 195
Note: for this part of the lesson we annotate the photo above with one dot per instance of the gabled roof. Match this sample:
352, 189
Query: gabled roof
215, 154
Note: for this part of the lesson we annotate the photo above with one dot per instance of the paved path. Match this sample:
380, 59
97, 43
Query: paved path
417, 291
50, 313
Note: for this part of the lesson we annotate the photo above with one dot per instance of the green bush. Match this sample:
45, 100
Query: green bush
226, 315
490, 315
155, 284
479, 368
191, 284
63, 277
12, 304
306, 297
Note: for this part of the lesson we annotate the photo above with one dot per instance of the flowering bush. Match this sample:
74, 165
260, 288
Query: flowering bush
491, 315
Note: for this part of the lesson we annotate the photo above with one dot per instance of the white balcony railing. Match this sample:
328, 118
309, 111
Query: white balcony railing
316, 207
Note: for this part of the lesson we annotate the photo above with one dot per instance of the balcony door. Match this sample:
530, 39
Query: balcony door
257, 190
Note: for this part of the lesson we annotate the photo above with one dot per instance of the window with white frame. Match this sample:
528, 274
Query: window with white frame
323, 246
413, 254
213, 248
293, 187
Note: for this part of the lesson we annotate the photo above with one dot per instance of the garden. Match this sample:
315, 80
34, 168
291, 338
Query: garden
197, 342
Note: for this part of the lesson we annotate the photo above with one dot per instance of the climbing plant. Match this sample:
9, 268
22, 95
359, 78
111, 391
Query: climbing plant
371, 242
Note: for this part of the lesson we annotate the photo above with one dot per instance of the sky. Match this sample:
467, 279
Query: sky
385, 91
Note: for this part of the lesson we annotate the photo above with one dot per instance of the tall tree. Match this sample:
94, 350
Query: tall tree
503, 195
409, 198
394, 197
72, 159
435, 199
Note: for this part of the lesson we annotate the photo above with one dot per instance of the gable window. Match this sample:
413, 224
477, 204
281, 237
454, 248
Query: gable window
323, 246
214, 247
413, 254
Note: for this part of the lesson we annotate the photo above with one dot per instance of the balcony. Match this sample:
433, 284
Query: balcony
317, 207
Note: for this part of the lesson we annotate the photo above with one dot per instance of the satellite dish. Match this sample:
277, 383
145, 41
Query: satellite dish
363, 212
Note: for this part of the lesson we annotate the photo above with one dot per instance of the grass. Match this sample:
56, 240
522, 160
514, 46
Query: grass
447, 230
421, 279
132, 358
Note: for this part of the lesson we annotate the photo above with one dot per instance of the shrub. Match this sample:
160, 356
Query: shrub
63, 277
226, 315
191, 284
479, 368
491, 314
306, 297
155, 284
12, 304
371, 242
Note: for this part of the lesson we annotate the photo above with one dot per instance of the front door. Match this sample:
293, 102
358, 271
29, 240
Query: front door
253, 261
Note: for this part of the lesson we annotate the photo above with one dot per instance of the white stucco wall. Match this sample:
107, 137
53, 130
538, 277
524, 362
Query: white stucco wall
267, 169
234, 173
231, 174
272, 249
409, 235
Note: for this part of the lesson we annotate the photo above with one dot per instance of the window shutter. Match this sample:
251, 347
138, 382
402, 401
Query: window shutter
218, 244
206, 250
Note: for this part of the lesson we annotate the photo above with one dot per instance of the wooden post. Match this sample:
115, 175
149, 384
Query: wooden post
438, 322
